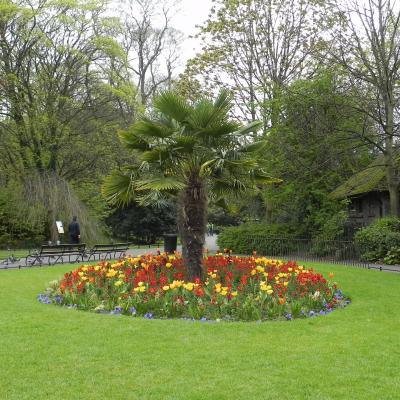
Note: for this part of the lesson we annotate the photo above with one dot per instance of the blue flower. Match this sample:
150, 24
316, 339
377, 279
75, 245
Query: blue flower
288, 316
203, 319
311, 313
322, 312
118, 310
133, 311
148, 315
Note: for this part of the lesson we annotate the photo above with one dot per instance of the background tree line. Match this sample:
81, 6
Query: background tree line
321, 76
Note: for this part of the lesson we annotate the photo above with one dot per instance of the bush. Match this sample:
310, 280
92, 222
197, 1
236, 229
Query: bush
235, 288
377, 239
249, 237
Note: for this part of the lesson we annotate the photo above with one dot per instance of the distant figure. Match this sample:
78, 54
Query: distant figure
74, 231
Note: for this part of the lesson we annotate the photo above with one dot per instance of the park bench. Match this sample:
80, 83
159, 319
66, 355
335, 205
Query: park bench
56, 253
110, 251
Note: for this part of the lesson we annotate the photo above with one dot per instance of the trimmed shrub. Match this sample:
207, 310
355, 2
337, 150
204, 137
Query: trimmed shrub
377, 239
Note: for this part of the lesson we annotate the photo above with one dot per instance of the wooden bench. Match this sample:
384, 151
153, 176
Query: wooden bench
56, 253
110, 251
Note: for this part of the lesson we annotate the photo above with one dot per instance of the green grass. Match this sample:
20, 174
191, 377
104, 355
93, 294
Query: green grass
49, 352
16, 253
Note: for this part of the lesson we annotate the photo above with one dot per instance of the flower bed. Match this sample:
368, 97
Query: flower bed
235, 288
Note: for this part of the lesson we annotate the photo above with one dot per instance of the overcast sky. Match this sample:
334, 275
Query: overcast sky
192, 13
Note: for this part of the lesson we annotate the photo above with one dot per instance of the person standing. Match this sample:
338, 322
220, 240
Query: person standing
74, 231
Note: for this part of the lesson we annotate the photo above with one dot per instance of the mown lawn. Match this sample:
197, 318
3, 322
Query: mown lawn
49, 352
16, 253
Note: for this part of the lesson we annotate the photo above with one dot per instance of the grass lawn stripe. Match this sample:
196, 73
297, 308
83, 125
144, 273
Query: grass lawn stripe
49, 352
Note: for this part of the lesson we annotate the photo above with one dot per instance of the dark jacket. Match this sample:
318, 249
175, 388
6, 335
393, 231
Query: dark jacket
73, 229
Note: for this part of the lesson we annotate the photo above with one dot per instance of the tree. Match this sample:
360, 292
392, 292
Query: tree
312, 152
151, 45
195, 151
366, 44
255, 48
54, 100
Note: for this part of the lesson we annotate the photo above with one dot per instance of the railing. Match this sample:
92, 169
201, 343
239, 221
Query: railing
332, 251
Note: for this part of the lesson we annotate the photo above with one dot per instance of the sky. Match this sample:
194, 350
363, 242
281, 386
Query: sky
192, 13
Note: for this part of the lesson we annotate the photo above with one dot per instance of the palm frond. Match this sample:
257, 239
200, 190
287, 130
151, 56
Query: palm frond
153, 198
172, 105
228, 187
251, 127
206, 167
118, 188
152, 129
156, 155
254, 147
132, 141
223, 100
184, 143
219, 130
160, 184
261, 177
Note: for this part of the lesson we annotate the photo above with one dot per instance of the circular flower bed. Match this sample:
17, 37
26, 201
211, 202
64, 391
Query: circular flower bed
234, 288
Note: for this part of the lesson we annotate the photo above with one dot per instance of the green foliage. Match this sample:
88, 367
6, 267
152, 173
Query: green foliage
392, 256
244, 239
346, 346
142, 225
16, 228
308, 151
377, 239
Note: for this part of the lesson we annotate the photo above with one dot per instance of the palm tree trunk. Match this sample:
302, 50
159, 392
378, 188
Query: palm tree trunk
192, 225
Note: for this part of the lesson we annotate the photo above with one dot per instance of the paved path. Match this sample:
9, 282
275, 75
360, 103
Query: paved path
210, 244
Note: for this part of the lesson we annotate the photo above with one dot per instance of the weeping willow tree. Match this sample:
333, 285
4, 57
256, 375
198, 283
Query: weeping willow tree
50, 198
193, 150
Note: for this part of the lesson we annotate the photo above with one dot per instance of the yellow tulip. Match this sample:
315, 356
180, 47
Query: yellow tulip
166, 287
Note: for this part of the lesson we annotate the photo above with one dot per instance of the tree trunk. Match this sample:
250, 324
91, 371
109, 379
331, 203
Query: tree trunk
192, 226
393, 185
392, 170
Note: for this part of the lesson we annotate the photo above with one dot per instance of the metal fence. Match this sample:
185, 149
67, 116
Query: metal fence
331, 251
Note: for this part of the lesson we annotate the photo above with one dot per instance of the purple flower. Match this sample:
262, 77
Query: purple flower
148, 315
288, 316
322, 312
118, 310
133, 311
203, 319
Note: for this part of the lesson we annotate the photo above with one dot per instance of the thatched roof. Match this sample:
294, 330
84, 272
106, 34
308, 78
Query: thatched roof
370, 179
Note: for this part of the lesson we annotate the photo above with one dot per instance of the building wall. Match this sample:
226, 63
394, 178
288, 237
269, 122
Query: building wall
366, 208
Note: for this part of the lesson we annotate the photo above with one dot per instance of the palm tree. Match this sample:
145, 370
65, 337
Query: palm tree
197, 152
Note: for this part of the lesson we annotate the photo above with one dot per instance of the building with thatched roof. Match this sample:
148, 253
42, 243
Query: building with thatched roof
367, 192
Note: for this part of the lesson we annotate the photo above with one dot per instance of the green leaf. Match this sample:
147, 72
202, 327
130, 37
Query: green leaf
160, 184
172, 105
132, 141
118, 188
